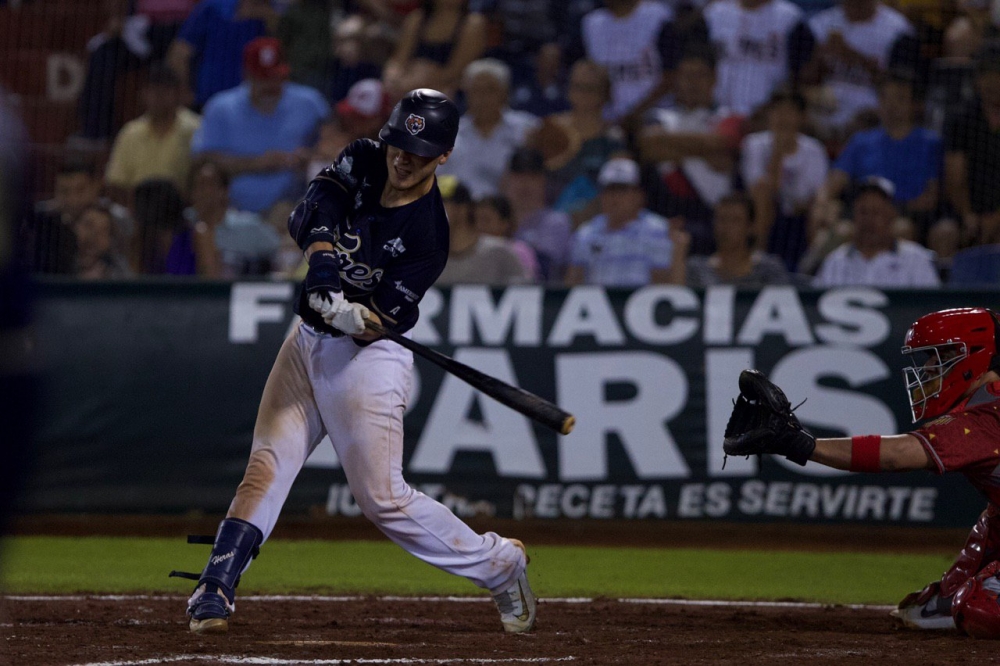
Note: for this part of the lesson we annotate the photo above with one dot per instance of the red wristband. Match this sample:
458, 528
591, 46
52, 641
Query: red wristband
865, 452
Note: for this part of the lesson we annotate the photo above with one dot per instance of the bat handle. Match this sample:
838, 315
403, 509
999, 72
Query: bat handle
374, 326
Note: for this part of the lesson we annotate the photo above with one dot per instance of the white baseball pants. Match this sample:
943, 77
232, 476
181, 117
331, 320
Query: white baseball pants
322, 385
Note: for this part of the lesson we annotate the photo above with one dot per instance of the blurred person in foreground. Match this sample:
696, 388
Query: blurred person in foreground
953, 385
261, 130
626, 245
474, 257
18, 391
875, 258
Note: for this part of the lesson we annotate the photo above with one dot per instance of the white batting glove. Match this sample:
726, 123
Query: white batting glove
322, 301
347, 317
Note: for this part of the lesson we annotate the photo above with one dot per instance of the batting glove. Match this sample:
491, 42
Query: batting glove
323, 301
340, 314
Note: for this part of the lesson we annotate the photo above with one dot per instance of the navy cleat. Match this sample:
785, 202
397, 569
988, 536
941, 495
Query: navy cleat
209, 610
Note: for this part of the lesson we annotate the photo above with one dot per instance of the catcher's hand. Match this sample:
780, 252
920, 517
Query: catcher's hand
762, 422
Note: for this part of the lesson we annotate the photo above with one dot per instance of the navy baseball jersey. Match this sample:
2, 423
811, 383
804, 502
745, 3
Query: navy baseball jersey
389, 256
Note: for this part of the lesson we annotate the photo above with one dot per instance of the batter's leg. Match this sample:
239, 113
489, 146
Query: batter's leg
362, 393
288, 428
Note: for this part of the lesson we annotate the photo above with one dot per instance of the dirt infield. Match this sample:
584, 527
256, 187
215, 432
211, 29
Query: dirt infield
315, 631
152, 630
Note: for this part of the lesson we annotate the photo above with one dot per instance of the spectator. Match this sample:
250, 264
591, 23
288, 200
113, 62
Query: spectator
165, 20
436, 44
906, 155
98, 246
212, 41
576, 144
358, 116
694, 146
304, 31
735, 261
360, 51
547, 231
944, 239
875, 258
260, 131
391, 12
163, 243
762, 45
972, 154
495, 217
973, 26
783, 169
626, 245
489, 131
474, 257
120, 48
858, 41
635, 42
157, 144
228, 243
529, 44
365, 109
49, 238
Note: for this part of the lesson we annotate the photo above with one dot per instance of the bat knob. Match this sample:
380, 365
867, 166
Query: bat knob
567, 425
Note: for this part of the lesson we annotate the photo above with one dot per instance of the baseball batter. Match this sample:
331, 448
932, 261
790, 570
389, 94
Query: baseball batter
954, 380
374, 229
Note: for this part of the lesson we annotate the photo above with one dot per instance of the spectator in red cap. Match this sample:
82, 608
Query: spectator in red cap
260, 131
365, 109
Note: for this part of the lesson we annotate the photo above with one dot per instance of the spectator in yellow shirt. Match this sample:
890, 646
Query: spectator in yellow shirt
157, 144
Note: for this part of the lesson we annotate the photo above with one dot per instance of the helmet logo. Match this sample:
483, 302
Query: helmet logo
415, 124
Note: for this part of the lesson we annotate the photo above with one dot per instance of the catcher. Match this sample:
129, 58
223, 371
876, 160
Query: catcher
954, 380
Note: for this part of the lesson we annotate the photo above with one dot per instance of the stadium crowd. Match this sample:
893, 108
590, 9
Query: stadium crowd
620, 143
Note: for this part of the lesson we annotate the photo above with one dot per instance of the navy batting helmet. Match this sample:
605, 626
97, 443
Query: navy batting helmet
424, 123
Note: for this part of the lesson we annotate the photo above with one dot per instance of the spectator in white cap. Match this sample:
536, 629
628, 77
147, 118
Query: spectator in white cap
626, 245
875, 258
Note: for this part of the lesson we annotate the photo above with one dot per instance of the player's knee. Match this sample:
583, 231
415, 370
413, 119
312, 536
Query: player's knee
378, 503
976, 609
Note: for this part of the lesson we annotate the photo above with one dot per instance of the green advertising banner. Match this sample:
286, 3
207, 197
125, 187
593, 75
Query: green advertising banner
152, 390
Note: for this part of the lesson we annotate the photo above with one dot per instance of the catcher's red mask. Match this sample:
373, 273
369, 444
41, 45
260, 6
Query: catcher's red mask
949, 350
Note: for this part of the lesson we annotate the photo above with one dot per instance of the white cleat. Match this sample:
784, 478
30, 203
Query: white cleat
926, 616
517, 604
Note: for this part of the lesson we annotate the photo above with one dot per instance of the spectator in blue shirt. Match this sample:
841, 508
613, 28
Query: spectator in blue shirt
906, 155
260, 131
211, 42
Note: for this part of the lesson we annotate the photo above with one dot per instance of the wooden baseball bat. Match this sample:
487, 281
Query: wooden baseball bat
535, 408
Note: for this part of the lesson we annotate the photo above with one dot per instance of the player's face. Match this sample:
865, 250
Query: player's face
411, 172
932, 372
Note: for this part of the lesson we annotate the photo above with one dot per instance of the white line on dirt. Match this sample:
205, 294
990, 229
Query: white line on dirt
230, 659
447, 599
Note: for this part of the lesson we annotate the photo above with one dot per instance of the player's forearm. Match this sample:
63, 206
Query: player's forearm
318, 246
896, 453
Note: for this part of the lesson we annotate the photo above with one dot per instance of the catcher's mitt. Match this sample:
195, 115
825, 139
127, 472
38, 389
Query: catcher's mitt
762, 422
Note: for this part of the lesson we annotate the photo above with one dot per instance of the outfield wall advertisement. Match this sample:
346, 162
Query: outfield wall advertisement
152, 391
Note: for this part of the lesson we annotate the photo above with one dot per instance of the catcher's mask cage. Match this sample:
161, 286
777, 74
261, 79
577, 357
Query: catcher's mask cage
949, 350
